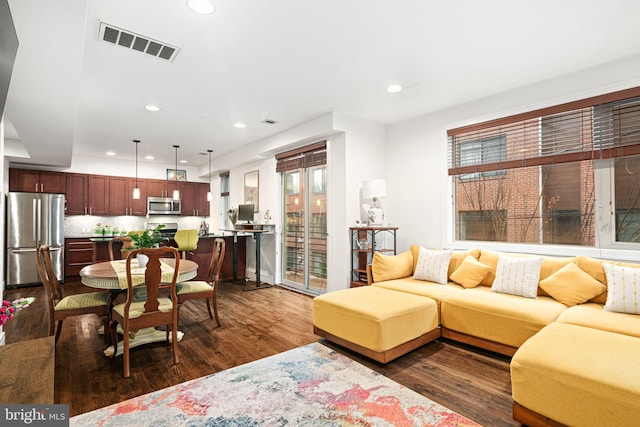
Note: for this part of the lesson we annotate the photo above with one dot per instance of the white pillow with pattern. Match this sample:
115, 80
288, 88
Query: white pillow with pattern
517, 276
433, 265
623, 288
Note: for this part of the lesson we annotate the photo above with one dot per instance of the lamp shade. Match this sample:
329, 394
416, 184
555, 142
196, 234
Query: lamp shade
374, 188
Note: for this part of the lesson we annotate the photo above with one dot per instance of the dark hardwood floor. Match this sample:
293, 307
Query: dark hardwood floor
255, 324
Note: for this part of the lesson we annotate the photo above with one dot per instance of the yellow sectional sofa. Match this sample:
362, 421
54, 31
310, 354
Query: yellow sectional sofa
573, 327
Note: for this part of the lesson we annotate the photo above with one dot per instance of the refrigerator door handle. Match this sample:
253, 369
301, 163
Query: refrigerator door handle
35, 221
39, 221
20, 251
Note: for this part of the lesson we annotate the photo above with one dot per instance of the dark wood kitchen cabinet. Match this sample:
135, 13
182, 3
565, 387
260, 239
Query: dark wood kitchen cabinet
77, 188
88, 194
121, 201
193, 196
160, 187
35, 181
78, 252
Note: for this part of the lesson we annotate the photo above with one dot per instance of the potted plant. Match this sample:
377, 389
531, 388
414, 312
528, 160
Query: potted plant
146, 239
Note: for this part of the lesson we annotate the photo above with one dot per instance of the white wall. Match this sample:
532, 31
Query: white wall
419, 189
356, 152
4, 185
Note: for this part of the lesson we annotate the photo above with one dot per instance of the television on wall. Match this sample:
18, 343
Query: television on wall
245, 213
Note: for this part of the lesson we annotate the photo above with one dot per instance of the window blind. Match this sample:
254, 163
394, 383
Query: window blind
602, 127
303, 157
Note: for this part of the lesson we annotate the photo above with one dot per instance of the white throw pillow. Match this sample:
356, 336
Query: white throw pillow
432, 265
623, 288
517, 276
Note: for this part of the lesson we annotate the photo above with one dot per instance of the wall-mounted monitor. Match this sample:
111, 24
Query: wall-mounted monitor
245, 213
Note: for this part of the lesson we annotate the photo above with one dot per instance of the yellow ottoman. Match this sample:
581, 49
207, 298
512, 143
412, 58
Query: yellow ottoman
577, 376
377, 323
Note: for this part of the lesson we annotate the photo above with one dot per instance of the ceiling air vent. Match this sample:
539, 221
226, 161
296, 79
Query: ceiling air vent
269, 122
117, 36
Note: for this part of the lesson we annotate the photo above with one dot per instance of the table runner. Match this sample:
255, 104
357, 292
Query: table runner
137, 272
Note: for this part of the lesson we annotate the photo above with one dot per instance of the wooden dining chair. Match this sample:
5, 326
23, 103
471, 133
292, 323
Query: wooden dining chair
197, 289
59, 307
126, 243
153, 310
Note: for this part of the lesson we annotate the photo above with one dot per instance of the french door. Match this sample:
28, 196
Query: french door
304, 243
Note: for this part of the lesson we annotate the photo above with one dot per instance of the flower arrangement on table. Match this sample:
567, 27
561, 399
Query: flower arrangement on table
8, 308
147, 238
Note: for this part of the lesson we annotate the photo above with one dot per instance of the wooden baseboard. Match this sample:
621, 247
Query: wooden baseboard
531, 418
479, 342
383, 356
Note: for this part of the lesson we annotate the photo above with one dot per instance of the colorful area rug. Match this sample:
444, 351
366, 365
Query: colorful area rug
308, 386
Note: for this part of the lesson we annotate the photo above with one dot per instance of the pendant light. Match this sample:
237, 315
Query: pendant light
176, 192
136, 190
209, 193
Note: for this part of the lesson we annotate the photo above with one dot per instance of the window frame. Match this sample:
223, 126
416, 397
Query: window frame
604, 194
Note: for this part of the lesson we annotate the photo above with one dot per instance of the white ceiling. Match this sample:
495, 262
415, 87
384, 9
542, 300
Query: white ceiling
284, 60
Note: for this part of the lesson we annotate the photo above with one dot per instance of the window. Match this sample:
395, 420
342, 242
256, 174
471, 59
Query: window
318, 225
546, 160
319, 180
480, 151
627, 199
292, 183
482, 225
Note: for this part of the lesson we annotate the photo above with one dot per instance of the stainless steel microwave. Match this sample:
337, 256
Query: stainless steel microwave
163, 206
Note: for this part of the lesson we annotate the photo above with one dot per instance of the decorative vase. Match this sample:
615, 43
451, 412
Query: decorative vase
233, 217
142, 260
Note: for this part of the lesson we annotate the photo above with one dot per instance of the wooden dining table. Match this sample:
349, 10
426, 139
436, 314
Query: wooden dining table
103, 275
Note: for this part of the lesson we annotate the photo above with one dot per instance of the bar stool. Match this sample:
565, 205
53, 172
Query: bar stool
187, 240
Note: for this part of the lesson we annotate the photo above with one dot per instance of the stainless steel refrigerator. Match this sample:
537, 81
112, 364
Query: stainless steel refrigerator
33, 219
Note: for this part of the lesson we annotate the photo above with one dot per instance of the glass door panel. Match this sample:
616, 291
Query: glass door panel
305, 229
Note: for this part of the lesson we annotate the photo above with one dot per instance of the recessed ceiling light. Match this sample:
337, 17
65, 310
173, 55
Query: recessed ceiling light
149, 157
110, 153
151, 107
202, 7
184, 161
239, 125
394, 88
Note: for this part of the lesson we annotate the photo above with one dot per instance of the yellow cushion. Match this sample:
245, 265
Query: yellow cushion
594, 267
550, 265
572, 286
193, 287
389, 267
489, 258
375, 318
457, 257
137, 308
579, 376
423, 288
470, 273
89, 299
502, 318
592, 315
